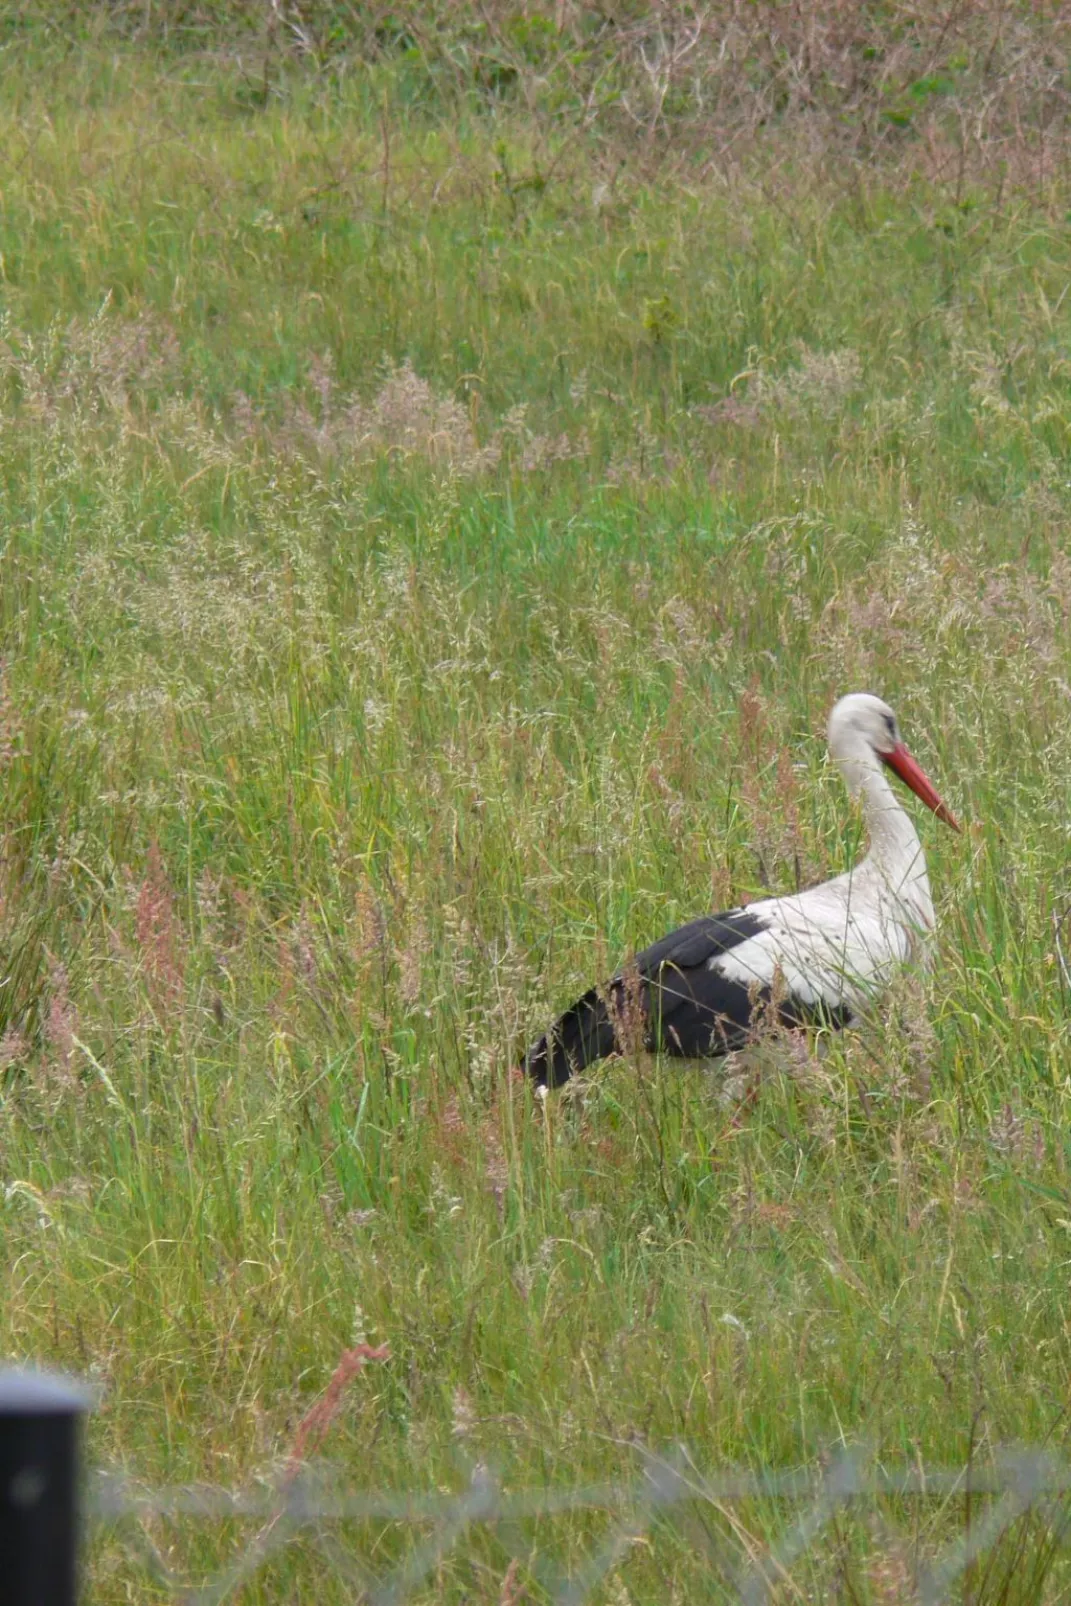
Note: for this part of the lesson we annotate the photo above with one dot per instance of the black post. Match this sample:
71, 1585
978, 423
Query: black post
40, 1418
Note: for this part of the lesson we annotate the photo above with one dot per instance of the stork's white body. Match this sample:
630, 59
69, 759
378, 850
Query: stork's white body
838, 944
821, 954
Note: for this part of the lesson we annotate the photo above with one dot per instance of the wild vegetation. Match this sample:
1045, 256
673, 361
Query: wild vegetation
449, 465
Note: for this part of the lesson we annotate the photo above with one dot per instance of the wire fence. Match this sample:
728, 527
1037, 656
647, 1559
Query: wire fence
311, 1510
765, 1524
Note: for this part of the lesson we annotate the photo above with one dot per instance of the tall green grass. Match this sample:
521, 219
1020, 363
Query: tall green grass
414, 591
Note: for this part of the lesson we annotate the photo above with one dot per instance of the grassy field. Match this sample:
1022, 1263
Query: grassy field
430, 547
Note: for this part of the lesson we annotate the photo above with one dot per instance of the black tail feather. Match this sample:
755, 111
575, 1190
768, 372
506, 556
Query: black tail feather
583, 1034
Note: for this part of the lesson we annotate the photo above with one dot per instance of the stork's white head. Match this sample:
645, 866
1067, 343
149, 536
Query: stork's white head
859, 716
863, 729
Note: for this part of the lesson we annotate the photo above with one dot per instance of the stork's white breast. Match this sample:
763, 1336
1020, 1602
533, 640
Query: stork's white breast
836, 944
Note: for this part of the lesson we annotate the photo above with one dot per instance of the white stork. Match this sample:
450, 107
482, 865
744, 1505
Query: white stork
829, 950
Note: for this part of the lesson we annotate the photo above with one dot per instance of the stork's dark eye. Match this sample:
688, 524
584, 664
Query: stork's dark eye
890, 726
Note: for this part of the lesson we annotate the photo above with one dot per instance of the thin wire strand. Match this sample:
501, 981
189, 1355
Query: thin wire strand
111, 1496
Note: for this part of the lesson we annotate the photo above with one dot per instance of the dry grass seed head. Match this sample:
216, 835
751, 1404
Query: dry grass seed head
463, 1414
626, 1004
411, 959
158, 935
1018, 1138
405, 416
512, 1591
891, 1575
107, 365
61, 1025
11, 730
369, 942
14, 1047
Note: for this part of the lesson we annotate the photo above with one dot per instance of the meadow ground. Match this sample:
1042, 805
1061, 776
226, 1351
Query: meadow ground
430, 543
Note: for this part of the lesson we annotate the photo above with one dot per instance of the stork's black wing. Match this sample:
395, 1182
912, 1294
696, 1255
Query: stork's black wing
679, 1003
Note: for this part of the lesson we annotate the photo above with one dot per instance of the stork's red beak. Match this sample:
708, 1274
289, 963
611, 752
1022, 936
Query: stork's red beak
912, 774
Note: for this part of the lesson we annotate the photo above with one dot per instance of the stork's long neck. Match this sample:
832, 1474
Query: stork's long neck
895, 850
